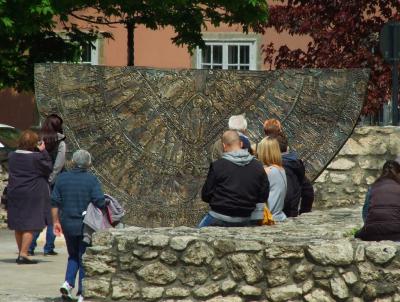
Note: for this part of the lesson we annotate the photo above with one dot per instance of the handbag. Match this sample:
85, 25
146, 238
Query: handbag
268, 219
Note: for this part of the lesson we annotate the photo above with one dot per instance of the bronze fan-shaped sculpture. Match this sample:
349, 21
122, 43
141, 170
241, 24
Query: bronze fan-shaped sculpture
150, 130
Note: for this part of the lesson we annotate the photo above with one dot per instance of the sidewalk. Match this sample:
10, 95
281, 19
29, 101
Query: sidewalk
33, 283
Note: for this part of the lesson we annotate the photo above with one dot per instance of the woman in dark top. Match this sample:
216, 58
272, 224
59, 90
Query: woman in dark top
28, 191
72, 193
52, 133
383, 218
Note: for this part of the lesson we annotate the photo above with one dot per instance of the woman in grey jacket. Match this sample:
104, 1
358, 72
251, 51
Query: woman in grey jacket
52, 133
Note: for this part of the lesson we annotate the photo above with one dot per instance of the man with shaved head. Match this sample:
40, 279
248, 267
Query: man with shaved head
235, 184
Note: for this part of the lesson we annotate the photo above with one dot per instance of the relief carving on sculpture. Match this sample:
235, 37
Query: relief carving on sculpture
150, 130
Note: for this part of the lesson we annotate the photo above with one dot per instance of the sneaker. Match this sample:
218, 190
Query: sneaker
66, 291
80, 298
51, 253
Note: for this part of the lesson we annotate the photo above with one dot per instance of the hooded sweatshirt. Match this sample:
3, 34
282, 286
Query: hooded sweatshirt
234, 185
300, 193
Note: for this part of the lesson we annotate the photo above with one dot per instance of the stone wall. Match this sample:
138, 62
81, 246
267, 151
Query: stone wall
311, 258
357, 165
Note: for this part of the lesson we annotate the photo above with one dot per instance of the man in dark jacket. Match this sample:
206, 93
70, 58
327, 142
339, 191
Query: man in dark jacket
300, 193
235, 184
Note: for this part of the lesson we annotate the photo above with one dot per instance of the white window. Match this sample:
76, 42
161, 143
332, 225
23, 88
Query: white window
90, 53
227, 55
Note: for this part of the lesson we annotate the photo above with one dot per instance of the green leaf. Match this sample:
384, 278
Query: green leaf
7, 21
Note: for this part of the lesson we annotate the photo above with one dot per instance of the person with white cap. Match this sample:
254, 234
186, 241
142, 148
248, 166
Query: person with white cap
237, 123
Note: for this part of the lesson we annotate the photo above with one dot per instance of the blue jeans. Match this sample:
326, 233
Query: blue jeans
76, 248
50, 238
209, 220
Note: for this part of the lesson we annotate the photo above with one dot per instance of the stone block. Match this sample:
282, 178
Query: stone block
248, 246
332, 253
318, 295
198, 253
374, 144
177, 292
224, 246
227, 286
302, 271
192, 275
278, 272
381, 253
377, 289
249, 291
157, 273
339, 288
368, 272
359, 254
168, 257
284, 252
323, 272
218, 269
341, 164
125, 243
180, 243
99, 264
125, 288
337, 178
245, 266
97, 287
153, 240
105, 239
206, 291
370, 180
145, 253
152, 293
307, 286
351, 147
284, 293
371, 163
350, 278
322, 177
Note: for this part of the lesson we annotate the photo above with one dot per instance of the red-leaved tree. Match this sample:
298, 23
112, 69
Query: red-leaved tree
344, 33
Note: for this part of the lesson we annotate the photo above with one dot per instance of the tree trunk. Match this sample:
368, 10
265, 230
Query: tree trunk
130, 27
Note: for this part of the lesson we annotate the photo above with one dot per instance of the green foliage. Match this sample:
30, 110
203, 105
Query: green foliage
187, 17
27, 35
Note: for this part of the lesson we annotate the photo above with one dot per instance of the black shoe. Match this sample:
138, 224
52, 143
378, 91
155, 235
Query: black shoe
23, 260
31, 253
51, 253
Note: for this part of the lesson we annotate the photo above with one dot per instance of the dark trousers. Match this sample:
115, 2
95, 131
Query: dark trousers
76, 248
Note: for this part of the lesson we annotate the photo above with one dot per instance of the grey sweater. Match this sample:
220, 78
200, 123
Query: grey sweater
277, 192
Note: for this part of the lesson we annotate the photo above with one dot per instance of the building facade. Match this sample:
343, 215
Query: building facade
226, 48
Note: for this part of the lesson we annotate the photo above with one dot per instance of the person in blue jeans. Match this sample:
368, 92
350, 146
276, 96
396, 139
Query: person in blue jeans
52, 134
72, 193
236, 184
48, 249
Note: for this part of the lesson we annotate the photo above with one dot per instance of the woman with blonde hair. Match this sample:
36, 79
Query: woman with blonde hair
270, 155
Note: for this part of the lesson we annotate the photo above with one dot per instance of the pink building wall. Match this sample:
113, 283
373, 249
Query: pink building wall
152, 49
